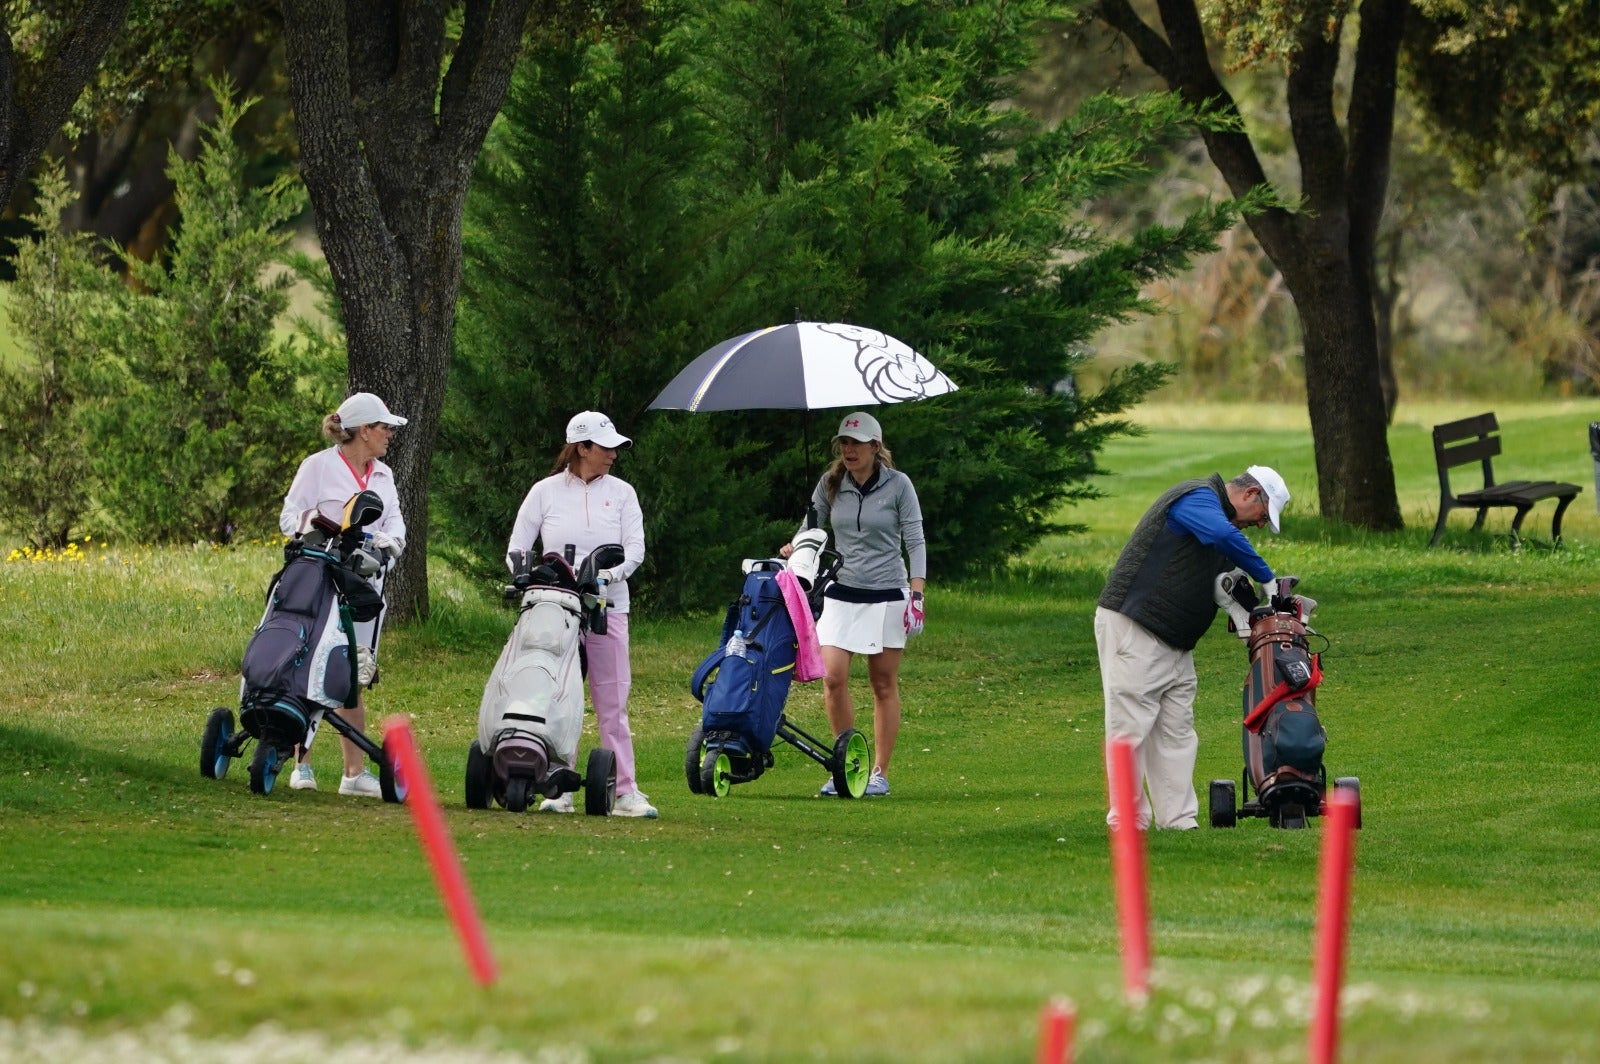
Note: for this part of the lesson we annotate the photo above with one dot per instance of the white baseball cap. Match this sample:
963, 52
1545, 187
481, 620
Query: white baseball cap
1277, 491
591, 426
860, 426
364, 408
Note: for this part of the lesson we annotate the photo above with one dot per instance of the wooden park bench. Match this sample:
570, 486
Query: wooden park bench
1474, 439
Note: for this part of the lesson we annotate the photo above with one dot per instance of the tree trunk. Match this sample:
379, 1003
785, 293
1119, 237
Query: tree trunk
1355, 476
389, 131
32, 114
1325, 251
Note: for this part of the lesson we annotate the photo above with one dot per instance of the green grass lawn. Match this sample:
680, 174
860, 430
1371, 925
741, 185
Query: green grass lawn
150, 913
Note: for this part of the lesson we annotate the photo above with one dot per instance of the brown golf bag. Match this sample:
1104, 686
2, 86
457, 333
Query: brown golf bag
1283, 738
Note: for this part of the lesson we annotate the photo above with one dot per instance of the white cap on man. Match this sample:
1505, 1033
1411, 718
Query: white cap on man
861, 427
364, 408
591, 426
1277, 491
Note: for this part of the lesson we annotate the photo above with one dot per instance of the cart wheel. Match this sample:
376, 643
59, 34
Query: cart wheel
478, 769
1223, 807
264, 768
214, 759
693, 753
517, 794
391, 781
852, 764
600, 782
716, 773
1353, 785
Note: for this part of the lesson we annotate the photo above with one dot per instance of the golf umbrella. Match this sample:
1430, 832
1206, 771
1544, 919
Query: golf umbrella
805, 365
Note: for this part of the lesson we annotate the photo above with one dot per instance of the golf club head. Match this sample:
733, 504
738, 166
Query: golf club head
363, 509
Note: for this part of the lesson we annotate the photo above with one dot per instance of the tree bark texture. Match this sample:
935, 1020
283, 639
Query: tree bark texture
32, 114
390, 120
1324, 249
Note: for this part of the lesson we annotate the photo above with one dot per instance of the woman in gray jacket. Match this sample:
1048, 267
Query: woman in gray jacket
876, 602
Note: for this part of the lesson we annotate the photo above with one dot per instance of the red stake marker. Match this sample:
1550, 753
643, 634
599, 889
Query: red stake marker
1333, 921
1127, 859
1056, 1025
435, 838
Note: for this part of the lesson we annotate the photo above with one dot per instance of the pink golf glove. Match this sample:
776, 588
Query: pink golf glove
914, 614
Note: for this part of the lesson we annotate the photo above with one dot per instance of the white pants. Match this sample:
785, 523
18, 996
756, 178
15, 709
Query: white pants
1149, 691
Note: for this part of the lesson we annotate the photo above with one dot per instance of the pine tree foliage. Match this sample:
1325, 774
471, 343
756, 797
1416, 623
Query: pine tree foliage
59, 295
741, 164
211, 412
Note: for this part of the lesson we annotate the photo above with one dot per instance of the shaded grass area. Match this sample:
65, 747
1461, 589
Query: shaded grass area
776, 926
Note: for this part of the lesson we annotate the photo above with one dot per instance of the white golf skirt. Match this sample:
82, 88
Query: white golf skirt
862, 627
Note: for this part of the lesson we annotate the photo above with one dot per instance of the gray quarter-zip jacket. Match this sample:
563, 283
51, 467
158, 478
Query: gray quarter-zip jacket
875, 530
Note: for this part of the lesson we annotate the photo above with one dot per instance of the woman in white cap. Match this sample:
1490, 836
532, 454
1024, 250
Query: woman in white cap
360, 430
578, 507
875, 605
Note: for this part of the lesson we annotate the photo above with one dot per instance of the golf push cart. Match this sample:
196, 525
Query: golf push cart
531, 716
1283, 739
303, 664
744, 683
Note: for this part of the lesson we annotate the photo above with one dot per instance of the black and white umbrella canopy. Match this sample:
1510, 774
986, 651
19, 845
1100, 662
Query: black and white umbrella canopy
805, 365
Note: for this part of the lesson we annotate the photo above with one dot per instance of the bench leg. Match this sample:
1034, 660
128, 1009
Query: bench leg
1516, 525
1438, 526
1477, 526
1555, 525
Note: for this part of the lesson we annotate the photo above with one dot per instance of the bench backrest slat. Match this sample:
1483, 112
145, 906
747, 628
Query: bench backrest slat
1468, 440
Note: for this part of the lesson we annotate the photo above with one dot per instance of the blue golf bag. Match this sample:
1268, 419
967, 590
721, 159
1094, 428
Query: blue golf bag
742, 687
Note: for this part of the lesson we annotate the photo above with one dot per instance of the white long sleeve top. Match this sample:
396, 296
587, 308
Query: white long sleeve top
563, 509
325, 481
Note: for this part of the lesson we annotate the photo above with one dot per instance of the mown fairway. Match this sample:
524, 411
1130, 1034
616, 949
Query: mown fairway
148, 913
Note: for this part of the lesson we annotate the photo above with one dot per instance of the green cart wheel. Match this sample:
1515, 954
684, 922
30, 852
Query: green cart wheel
716, 773
694, 753
852, 764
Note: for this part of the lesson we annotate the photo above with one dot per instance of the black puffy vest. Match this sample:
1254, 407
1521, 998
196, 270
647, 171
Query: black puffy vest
1164, 580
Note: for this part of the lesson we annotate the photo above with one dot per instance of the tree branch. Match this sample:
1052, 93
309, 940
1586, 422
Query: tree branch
480, 72
31, 116
1182, 60
332, 162
1370, 120
1318, 140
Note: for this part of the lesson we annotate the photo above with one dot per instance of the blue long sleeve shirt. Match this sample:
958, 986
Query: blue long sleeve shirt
1199, 514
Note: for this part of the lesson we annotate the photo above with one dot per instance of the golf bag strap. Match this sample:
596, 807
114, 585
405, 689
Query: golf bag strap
697, 682
1258, 715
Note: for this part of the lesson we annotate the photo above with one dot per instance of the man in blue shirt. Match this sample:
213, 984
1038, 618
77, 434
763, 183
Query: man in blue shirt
1157, 603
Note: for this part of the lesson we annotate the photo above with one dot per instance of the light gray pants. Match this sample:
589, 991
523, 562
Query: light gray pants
1149, 690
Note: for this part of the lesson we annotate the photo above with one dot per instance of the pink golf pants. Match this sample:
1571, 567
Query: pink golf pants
610, 679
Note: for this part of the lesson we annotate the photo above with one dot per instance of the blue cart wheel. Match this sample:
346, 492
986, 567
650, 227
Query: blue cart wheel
264, 768
391, 781
214, 759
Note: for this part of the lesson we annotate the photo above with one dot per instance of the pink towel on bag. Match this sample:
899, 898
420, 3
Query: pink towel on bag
808, 658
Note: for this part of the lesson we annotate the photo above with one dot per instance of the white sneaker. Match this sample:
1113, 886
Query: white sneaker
635, 803
557, 805
302, 778
363, 785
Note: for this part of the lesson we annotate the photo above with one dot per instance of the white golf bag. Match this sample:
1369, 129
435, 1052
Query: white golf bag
531, 716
